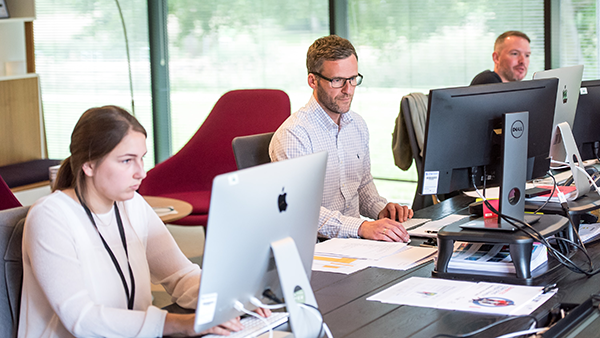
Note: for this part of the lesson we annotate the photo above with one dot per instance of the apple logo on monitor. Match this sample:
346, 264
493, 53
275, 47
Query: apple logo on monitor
281, 201
564, 95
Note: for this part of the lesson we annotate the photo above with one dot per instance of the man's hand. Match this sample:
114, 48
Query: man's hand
383, 230
396, 212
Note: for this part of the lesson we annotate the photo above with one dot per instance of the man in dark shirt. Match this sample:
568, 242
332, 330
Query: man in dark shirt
511, 59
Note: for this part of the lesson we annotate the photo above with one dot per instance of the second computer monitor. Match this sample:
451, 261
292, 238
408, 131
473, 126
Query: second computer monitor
464, 132
569, 81
586, 128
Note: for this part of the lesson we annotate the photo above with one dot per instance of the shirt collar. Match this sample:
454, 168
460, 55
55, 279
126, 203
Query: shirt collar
324, 118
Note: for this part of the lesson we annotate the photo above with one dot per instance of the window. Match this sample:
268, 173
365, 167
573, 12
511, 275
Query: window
216, 46
81, 58
406, 46
578, 37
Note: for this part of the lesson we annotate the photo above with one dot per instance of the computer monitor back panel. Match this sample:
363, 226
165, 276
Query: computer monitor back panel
569, 82
249, 210
464, 131
586, 128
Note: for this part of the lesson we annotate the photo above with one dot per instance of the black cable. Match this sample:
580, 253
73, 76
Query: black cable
551, 193
268, 293
526, 227
536, 235
484, 179
472, 333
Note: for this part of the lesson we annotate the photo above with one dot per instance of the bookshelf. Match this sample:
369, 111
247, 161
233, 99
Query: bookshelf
21, 132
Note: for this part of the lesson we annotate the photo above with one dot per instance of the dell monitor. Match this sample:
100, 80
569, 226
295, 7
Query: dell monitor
489, 135
463, 132
261, 233
586, 128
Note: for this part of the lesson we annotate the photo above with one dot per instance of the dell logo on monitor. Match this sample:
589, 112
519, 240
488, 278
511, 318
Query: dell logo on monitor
517, 129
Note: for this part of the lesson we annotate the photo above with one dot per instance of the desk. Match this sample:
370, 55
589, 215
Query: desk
183, 208
342, 298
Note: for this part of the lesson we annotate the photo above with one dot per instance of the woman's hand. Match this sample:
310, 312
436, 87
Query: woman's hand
183, 325
263, 312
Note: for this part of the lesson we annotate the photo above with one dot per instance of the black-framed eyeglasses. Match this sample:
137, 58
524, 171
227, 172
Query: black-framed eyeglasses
339, 82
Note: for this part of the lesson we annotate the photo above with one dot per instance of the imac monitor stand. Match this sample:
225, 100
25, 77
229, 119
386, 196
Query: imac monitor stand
261, 234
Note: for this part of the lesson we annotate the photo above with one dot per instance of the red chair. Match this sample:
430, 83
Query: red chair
188, 174
7, 198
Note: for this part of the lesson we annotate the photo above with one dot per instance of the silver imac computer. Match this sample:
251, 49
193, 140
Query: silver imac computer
261, 234
569, 82
563, 149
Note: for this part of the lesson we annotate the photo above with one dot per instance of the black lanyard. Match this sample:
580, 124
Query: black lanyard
130, 297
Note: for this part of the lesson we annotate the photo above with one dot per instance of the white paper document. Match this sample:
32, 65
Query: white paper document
589, 232
430, 229
343, 265
414, 222
482, 297
357, 248
405, 259
348, 255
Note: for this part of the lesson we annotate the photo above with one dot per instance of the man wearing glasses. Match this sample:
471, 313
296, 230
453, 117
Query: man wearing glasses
326, 123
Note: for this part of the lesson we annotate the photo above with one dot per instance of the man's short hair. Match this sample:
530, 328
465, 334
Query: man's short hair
328, 48
503, 36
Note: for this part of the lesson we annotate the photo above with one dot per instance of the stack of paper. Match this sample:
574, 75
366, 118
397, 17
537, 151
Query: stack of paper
348, 255
358, 248
489, 257
589, 232
480, 297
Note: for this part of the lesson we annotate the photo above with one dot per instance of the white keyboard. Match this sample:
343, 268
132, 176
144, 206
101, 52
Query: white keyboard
254, 327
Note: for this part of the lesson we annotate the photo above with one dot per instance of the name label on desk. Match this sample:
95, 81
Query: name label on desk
430, 183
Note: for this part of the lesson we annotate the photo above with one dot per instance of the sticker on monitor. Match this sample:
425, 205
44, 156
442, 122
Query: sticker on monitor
430, 182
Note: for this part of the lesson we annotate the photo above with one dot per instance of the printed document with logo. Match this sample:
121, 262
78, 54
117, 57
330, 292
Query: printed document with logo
495, 298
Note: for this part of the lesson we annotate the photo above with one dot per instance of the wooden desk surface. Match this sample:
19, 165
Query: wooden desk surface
342, 298
182, 208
